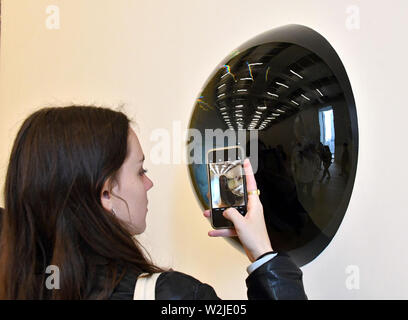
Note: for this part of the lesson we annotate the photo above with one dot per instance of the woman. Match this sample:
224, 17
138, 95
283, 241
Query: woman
75, 196
227, 197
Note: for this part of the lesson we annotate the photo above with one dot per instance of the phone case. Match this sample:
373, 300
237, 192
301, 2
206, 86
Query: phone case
209, 187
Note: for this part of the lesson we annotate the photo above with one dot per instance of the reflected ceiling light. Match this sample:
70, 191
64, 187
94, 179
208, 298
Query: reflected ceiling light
305, 97
255, 64
272, 94
244, 79
294, 102
319, 92
282, 84
258, 112
261, 108
239, 106
221, 95
242, 90
296, 74
223, 108
279, 110
276, 114
221, 86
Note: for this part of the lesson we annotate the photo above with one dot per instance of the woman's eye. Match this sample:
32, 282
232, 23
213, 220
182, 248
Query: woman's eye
143, 172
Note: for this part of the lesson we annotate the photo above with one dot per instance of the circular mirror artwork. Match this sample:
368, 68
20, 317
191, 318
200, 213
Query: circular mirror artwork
286, 98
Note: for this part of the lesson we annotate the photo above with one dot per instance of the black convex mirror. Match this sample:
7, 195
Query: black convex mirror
287, 88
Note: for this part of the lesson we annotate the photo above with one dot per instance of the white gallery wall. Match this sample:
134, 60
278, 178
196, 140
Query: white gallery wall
154, 57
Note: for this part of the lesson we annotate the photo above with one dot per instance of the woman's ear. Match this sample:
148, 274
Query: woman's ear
106, 198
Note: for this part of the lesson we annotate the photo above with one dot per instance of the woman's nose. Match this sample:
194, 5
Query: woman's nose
149, 183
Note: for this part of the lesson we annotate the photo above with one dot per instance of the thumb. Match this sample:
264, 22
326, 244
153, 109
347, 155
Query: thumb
233, 215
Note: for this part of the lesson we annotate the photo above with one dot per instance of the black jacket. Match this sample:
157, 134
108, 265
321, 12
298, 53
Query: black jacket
278, 278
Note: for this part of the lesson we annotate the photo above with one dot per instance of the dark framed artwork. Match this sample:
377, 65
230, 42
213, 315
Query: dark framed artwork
290, 86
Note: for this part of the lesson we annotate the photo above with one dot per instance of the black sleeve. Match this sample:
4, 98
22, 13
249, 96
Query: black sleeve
206, 292
277, 279
176, 285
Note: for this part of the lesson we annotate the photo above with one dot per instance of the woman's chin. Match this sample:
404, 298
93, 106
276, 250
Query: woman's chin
136, 230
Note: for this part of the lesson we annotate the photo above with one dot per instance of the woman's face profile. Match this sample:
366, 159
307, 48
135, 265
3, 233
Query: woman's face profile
132, 186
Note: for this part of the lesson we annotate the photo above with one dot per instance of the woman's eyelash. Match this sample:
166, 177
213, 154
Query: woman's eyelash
144, 171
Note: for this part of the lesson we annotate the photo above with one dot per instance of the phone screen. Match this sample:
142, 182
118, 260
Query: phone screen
227, 184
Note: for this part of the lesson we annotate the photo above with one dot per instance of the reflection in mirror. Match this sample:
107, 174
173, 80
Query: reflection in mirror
293, 103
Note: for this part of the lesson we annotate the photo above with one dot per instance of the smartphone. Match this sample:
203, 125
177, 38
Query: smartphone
227, 184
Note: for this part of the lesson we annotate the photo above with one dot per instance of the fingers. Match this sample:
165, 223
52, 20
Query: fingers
222, 233
249, 176
250, 183
234, 216
207, 213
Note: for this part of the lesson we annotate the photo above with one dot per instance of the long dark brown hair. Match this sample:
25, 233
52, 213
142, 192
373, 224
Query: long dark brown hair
53, 215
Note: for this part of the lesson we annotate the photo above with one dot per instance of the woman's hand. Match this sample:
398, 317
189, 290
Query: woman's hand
251, 228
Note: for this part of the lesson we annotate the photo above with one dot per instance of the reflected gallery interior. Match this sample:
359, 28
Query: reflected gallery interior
290, 87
